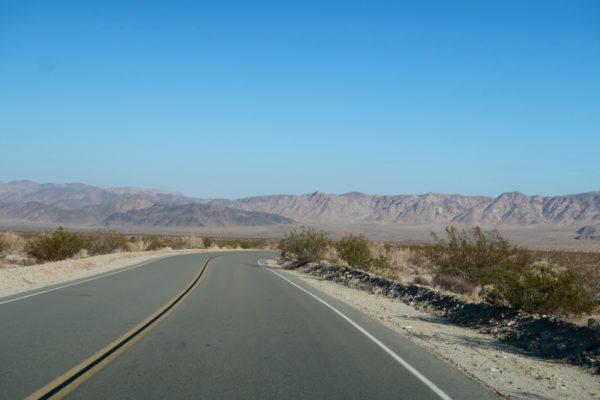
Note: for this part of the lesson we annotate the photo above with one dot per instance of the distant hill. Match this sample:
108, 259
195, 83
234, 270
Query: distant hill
76, 195
590, 232
88, 205
507, 209
190, 215
83, 204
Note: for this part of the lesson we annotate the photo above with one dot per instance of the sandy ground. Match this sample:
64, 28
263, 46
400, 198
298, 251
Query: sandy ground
481, 356
547, 237
16, 279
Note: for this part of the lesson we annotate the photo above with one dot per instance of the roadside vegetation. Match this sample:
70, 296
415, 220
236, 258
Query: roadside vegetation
479, 264
304, 246
35, 248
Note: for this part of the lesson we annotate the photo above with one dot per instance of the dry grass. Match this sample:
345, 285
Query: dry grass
402, 262
138, 244
192, 242
13, 246
11, 243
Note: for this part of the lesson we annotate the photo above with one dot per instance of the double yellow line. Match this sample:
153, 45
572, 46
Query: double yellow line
68, 381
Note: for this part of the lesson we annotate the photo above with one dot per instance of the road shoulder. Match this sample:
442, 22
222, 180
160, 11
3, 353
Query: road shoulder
484, 358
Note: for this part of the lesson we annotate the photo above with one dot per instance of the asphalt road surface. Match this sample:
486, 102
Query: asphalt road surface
209, 326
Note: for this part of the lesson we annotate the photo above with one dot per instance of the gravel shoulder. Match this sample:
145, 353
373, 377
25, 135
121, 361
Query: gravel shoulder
16, 279
485, 358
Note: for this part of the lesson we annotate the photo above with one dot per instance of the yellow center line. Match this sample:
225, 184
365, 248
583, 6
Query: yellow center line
68, 381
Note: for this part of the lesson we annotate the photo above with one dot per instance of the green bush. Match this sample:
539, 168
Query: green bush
542, 289
106, 243
473, 254
207, 242
381, 262
56, 246
307, 245
354, 250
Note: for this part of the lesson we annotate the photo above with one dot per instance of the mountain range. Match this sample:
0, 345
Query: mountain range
89, 205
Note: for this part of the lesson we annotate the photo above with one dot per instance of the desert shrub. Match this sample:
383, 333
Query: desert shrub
421, 280
452, 283
381, 262
11, 243
191, 242
245, 243
106, 243
590, 276
354, 250
207, 242
306, 245
177, 243
472, 254
543, 289
156, 243
585, 265
417, 257
138, 244
56, 246
330, 254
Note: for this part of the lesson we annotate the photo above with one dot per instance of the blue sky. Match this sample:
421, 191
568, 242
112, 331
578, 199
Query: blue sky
232, 99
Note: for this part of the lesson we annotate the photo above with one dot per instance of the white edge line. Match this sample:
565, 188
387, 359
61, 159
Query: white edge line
85, 280
389, 351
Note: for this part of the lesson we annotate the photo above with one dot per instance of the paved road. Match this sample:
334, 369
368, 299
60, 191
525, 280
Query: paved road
241, 332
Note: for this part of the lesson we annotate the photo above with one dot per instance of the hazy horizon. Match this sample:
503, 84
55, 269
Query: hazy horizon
238, 100
167, 190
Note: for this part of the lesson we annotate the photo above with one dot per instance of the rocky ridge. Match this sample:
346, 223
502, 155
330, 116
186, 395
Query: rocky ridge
190, 215
507, 209
590, 232
78, 203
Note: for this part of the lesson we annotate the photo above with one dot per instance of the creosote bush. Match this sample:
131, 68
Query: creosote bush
106, 243
156, 243
507, 274
56, 246
207, 242
306, 245
543, 289
355, 251
473, 254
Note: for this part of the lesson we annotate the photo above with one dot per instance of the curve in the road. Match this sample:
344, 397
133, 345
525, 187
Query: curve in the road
65, 383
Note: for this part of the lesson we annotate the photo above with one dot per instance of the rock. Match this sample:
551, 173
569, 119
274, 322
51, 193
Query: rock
593, 324
561, 346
